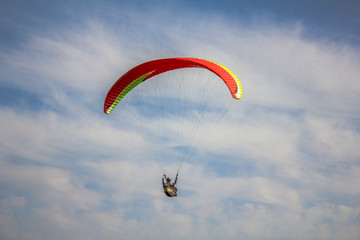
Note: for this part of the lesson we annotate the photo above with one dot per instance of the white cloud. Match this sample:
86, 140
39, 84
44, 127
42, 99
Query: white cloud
81, 175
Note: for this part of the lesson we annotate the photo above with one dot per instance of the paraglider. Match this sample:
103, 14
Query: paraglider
169, 188
145, 71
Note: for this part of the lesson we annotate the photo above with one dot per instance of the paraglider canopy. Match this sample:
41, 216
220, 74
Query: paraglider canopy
149, 69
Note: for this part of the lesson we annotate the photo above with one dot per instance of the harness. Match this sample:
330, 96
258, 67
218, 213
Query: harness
170, 192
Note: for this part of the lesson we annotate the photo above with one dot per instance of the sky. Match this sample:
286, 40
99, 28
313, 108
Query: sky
281, 163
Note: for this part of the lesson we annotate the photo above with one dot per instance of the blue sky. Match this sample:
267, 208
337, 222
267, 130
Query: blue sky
282, 163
